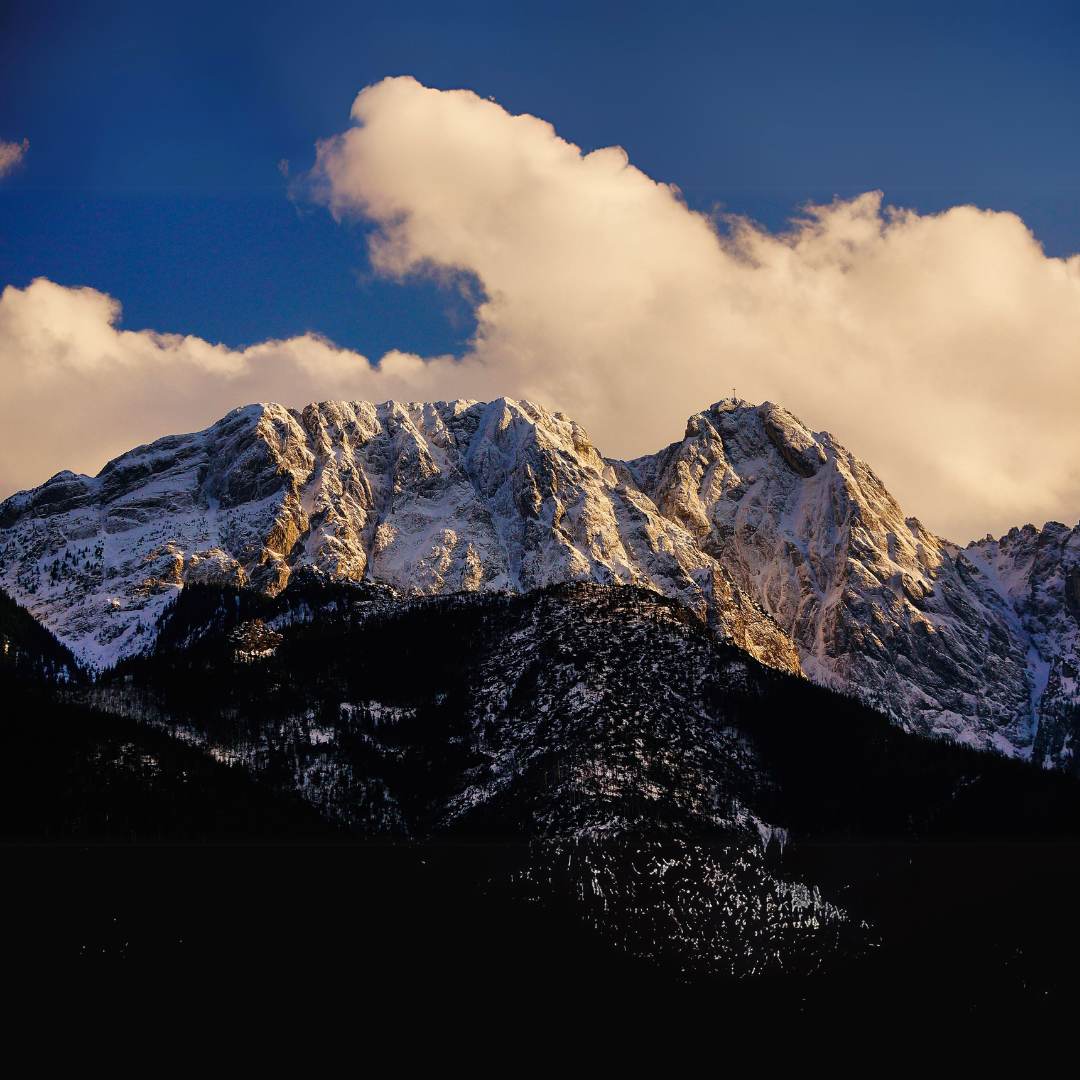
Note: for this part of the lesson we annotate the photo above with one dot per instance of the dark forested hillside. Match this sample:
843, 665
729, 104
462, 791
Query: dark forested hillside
69, 773
682, 807
533, 684
28, 652
85, 797
583, 770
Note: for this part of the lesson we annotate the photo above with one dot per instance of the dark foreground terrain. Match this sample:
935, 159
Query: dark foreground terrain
578, 788
967, 929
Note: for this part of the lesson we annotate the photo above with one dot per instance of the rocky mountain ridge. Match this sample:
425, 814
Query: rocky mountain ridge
918, 627
787, 544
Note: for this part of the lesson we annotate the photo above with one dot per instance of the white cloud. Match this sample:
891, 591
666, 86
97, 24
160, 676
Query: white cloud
11, 153
77, 390
944, 349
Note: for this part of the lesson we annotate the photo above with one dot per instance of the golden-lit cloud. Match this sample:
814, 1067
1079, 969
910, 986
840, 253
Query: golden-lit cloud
944, 349
79, 390
11, 153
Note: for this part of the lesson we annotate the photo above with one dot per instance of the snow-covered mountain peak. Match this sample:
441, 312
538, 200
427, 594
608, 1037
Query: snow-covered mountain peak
789, 544
876, 603
423, 497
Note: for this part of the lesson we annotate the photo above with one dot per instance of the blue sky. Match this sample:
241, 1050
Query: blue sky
940, 344
155, 132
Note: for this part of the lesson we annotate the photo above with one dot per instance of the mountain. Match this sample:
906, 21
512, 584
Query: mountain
422, 498
786, 543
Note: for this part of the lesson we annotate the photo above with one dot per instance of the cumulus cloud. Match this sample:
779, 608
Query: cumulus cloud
11, 153
944, 349
79, 390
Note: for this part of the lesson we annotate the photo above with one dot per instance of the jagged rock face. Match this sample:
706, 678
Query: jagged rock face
426, 498
1037, 571
878, 605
